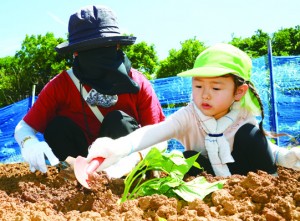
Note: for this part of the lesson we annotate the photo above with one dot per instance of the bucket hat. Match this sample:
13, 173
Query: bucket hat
91, 27
222, 59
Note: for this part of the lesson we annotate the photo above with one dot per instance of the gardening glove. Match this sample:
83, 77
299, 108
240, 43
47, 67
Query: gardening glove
34, 152
111, 150
289, 158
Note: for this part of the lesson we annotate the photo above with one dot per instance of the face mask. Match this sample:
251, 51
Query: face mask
106, 70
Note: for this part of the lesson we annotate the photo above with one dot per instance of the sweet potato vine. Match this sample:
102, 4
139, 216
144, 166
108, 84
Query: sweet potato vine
175, 166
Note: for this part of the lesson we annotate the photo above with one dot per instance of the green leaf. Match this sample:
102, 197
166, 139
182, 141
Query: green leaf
178, 165
156, 186
197, 188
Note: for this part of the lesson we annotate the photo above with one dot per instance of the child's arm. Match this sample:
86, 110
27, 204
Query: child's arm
140, 139
126, 164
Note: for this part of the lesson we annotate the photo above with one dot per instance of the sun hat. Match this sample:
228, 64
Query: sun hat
219, 60
91, 27
222, 59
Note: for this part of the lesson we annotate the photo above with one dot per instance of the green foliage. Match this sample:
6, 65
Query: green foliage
35, 64
11, 81
254, 46
143, 57
180, 60
286, 42
37, 61
172, 185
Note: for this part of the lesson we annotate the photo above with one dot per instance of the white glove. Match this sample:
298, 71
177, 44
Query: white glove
111, 150
289, 158
34, 152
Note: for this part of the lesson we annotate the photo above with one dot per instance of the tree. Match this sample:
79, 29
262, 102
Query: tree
286, 41
180, 60
35, 64
255, 46
8, 86
143, 57
39, 61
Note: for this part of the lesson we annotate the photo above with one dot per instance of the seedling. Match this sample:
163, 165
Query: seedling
175, 166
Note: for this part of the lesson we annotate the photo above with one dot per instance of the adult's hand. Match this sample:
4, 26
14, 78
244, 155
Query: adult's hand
34, 152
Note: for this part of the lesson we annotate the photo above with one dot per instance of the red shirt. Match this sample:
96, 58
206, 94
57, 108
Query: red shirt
60, 97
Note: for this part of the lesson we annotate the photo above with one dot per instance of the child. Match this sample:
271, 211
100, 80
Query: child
219, 122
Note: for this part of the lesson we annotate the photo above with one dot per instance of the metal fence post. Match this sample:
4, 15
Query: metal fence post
274, 122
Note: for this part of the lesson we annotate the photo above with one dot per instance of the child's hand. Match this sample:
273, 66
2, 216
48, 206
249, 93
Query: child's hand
289, 158
111, 150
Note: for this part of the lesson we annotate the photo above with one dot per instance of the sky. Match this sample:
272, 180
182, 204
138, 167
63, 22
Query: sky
164, 23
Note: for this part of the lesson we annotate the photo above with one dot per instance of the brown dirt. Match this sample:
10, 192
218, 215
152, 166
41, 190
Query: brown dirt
35, 196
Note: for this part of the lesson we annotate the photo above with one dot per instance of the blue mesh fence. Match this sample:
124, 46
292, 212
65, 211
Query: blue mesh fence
175, 92
9, 117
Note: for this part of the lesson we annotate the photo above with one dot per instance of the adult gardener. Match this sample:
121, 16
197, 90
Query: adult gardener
100, 96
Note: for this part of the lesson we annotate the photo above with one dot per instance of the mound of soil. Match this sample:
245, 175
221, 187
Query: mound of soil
58, 196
